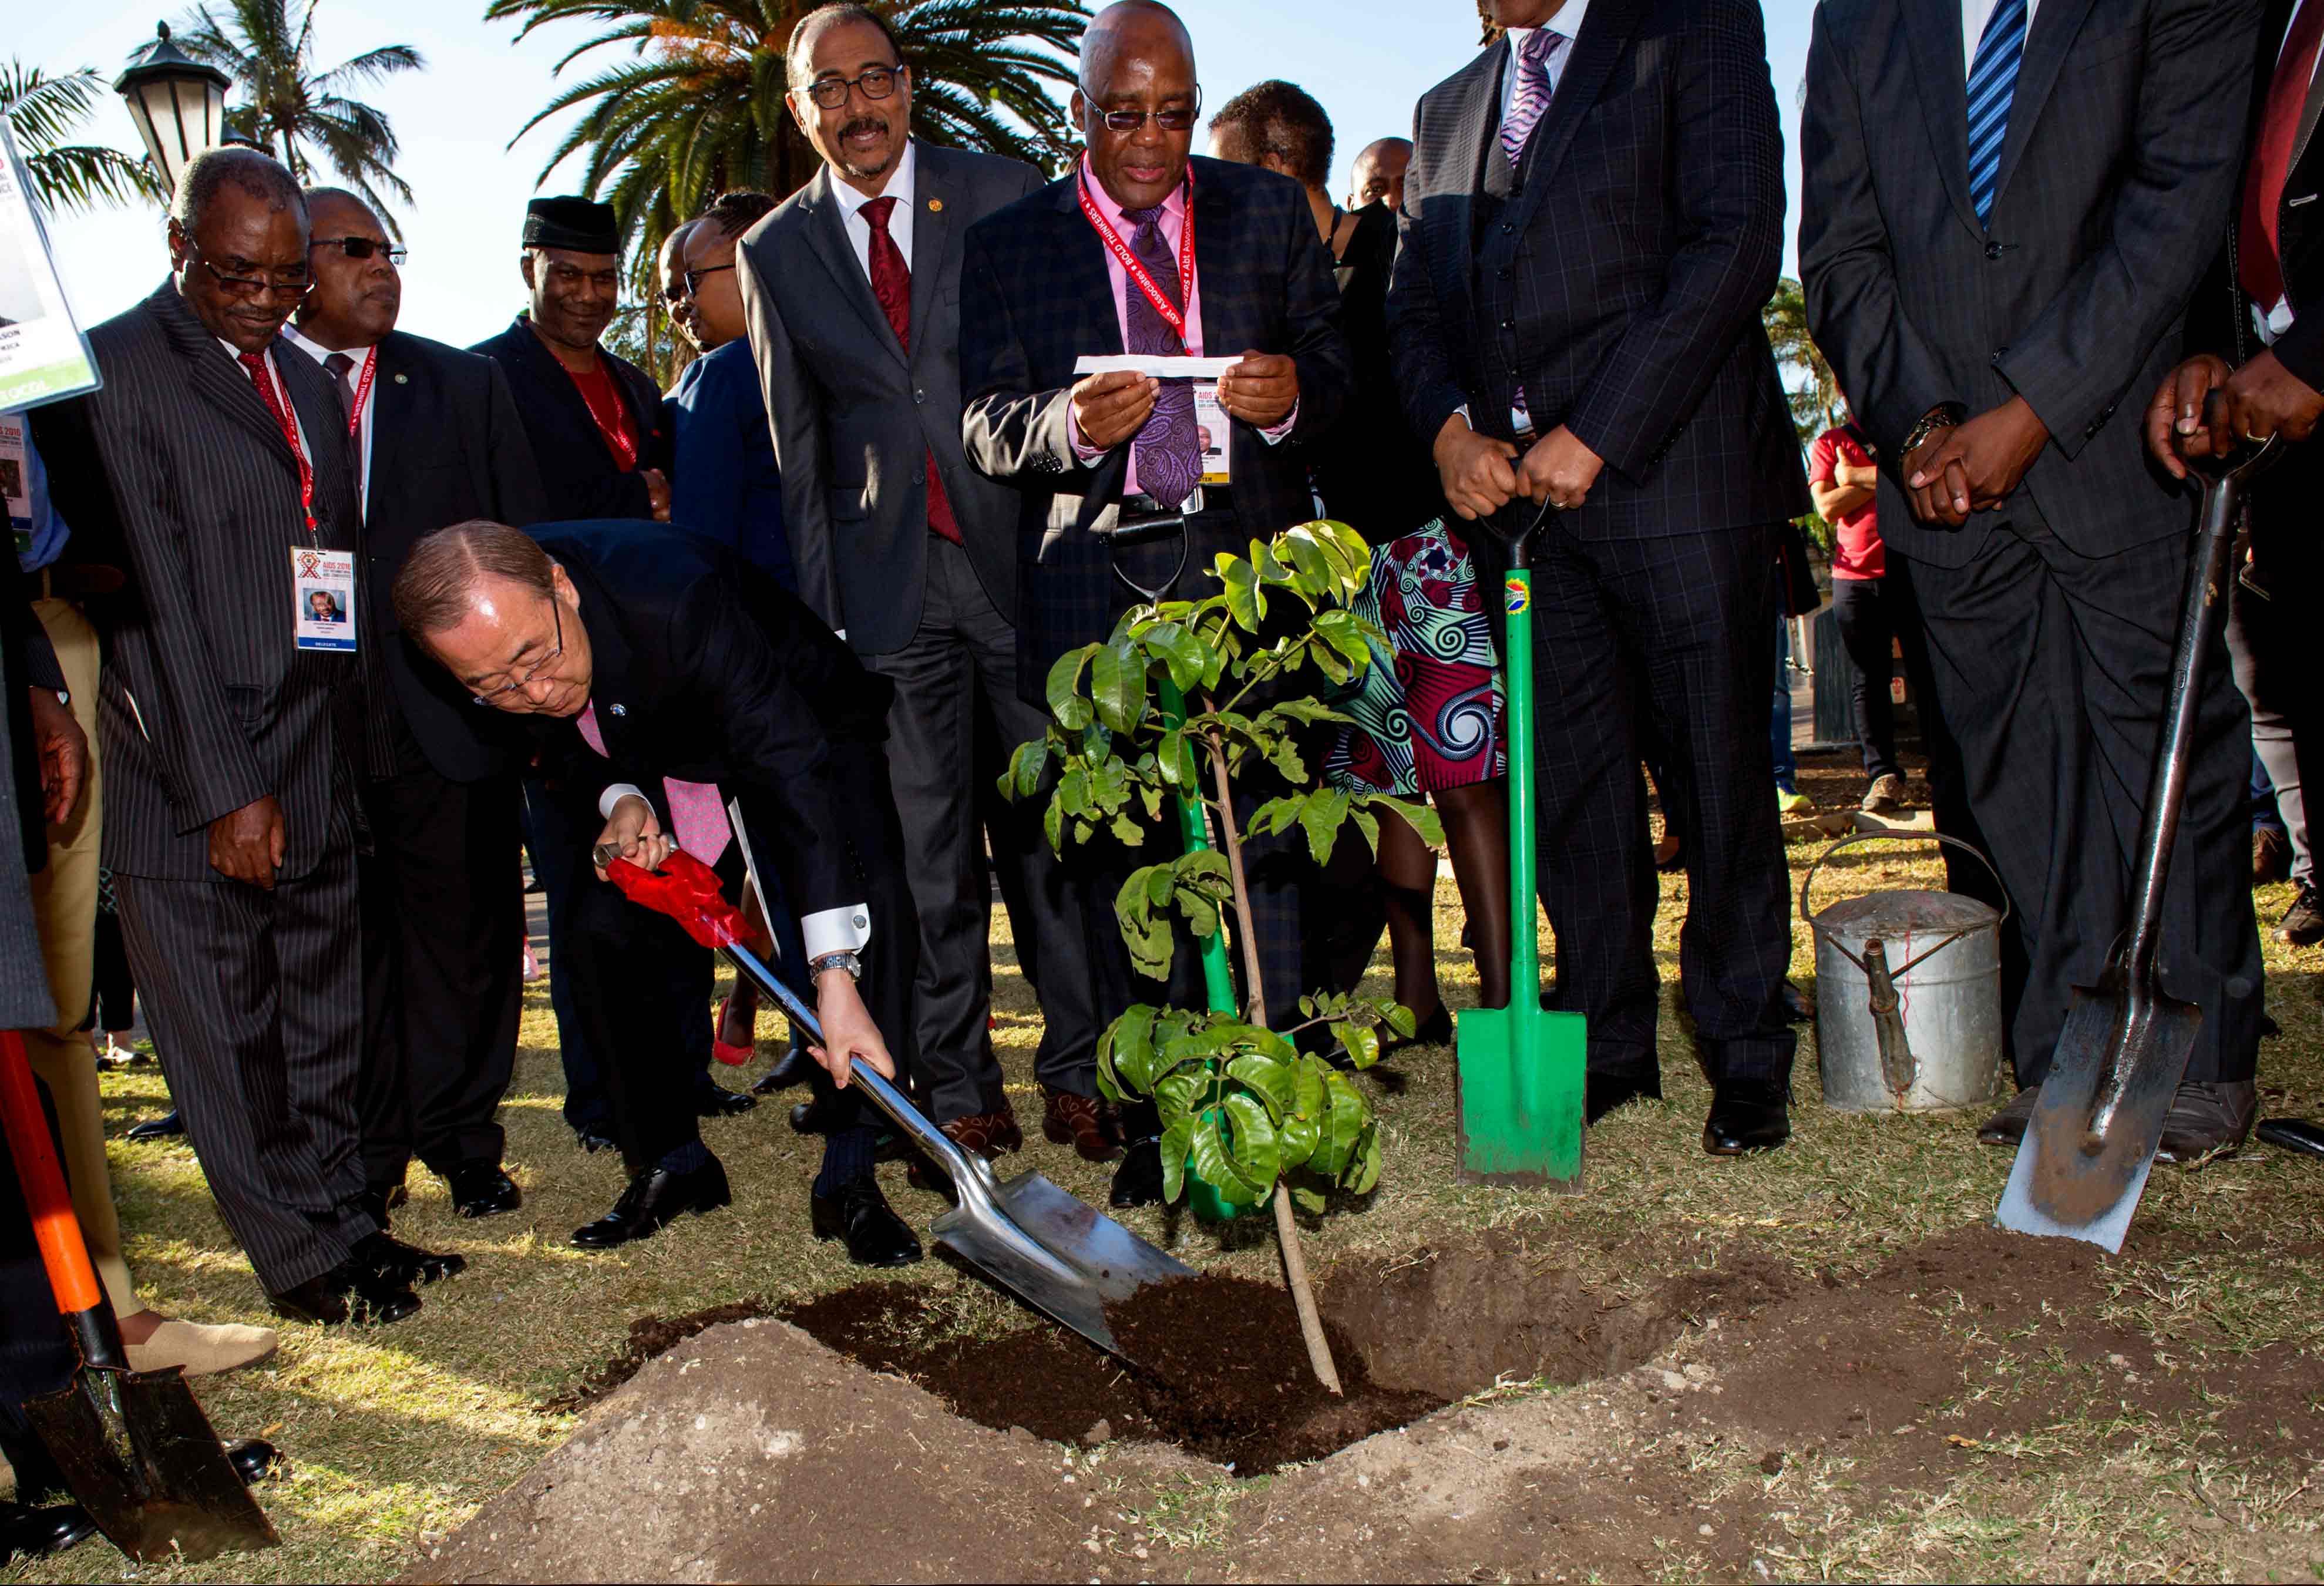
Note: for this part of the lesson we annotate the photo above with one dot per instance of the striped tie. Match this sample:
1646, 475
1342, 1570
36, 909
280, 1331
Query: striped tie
1992, 83
1532, 96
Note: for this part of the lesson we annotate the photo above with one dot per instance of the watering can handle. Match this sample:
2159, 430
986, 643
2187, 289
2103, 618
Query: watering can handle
1855, 838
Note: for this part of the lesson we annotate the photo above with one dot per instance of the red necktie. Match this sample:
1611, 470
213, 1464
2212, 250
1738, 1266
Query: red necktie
891, 283
2260, 268
261, 377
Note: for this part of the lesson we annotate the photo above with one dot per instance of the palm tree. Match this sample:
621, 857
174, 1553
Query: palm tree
1817, 403
44, 111
697, 107
268, 48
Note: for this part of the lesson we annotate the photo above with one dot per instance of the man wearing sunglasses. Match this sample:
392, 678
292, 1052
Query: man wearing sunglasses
437, 440
231, 737
1145, 249
851, 291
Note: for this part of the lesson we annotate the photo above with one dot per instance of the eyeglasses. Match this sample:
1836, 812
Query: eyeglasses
519, 681
362, 248
288, 283
877, 82
1176, 119
693, 277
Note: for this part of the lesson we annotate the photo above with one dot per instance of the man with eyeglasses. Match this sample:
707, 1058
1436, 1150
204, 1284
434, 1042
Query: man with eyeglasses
663, 676
437, 440
594, 419
232, 733
851, 293
1146, 249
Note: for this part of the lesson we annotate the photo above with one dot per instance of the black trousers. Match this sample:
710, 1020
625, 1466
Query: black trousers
955, 690
256, 1001
2272, 648
443, 929
1661, 642
637, 975
1876, 617
2052, 670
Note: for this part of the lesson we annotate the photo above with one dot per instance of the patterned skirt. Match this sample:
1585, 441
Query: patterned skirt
1429, 710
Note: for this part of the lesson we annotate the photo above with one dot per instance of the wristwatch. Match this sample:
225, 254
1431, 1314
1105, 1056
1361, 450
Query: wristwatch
1943, 415
850, 962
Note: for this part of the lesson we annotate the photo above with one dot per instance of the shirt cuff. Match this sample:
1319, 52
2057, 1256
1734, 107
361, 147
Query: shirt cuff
615, 794
1087, 453
836, 930
1274, 435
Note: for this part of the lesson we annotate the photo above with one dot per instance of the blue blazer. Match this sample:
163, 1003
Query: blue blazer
726, 483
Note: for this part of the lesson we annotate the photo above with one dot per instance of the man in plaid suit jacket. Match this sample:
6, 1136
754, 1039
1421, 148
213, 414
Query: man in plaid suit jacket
1592, 221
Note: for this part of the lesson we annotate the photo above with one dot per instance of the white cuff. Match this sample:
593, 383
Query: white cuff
615, 794
1275, 434
836, 930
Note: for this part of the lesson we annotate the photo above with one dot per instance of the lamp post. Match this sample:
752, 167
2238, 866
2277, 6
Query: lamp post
177, 103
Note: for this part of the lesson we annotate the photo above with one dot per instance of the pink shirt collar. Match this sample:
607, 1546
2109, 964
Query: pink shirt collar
1174, 208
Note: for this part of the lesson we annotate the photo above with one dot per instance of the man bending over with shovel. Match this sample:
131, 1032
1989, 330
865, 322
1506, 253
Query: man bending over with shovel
667, 675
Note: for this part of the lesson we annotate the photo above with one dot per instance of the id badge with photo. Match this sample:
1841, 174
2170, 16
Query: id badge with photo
323, 584
1211, 428
15, 480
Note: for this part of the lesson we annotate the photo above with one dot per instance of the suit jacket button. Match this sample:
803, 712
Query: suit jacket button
918, 395
1993, 250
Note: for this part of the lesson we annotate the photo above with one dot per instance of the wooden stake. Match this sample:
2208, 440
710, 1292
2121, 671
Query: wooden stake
1302, 1295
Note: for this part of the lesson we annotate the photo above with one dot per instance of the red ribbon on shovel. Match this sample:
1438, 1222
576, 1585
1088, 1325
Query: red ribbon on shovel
685, 890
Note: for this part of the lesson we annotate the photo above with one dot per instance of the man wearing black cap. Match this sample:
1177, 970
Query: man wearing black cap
593, 419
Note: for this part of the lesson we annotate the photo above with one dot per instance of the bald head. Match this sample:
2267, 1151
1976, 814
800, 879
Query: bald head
1131, 30
1138, 66
1378, 177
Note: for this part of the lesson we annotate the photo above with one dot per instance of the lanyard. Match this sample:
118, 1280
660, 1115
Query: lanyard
363, 391
282, 406
1172, 314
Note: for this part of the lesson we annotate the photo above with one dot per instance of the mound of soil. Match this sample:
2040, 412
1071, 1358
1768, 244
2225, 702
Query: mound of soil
650, 1336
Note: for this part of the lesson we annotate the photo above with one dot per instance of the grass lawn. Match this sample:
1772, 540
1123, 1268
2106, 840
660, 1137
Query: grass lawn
397, 1435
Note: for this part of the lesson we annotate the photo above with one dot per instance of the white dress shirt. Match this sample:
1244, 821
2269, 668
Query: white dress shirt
1568, 20
901, 187
1974, 14
318, 351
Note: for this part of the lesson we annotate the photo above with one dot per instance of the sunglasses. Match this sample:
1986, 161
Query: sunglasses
1176, 119
362, 248
289, 283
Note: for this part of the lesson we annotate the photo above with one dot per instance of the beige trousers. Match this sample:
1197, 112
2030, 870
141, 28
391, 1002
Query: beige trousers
64, 901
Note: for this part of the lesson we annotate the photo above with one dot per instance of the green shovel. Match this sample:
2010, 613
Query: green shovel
1519, 1106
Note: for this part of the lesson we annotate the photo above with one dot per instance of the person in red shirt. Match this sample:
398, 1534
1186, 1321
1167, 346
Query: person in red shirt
1874, 609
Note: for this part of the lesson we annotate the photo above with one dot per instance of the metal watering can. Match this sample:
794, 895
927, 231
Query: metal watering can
1898, 1026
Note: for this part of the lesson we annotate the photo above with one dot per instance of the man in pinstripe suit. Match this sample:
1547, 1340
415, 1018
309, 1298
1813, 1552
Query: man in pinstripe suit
231, 825
2006, 208
1592, 218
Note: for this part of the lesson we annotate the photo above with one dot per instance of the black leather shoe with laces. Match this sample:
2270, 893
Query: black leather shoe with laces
859, 1215
656, 1197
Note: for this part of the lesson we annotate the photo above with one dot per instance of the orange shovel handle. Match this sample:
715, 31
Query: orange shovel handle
54, 1226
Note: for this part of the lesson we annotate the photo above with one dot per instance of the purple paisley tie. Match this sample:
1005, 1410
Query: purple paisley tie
1170, 461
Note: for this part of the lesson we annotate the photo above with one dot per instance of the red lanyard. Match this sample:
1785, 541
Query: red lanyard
362, 391
1172, 314
280, 404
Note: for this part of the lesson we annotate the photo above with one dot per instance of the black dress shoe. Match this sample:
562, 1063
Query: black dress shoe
1748, 1115
389, 1256
480, 1189
253, 1459
37, 1533
1603, 1091
1797, 1008
794, 1067
1137, 1182
2007, 1127
814, 1115
348, 1292
654, 1198
168, 1127
594, 1137
859, 1215
713, 1100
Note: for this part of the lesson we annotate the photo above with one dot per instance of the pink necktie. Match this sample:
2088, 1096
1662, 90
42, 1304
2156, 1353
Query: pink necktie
1533, 92
697, 814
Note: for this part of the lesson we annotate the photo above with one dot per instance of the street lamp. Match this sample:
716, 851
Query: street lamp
177, 103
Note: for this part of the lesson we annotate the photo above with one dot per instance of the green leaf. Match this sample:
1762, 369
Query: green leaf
1053, 825
1270, 1078
1307, 1198
1027, 767
1073, 794
1065, 702
1214, 1165
1396, 1016
1369, 825
1317, 577
1184, 1092
1419, 816
1366, 1170
1176, 1141
1128, 831
1127, 1049
1275, 815
1341, 631
1118, 685
1343, 1126
1256, 1154
1181, 650
1285, 757
1246, 601
1325, 809
1359, 1041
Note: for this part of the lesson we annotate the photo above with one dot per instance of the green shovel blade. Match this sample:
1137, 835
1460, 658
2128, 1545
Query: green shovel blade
1520, 1100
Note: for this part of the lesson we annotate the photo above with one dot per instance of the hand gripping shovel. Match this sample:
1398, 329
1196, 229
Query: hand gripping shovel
1053, 1252
2091, 1142
1519, 1107
135, 1447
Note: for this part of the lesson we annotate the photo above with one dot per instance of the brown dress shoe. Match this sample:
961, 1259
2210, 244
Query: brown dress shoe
1085, 1122
984, 1134
2208, 1120
2008, 1126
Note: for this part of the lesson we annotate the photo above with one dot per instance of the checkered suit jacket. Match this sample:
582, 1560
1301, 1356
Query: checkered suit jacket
1620, 285
1035, 296
2121, 165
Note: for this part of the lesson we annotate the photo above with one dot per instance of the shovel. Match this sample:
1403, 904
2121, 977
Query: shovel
1053, 1252
1518, 1109
2091, 1141
133, 1446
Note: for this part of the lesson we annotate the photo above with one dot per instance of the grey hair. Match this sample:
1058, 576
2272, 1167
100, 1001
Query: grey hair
814, 24
254, 173
432, 593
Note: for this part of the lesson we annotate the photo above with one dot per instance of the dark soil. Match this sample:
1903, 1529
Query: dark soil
1222, 1371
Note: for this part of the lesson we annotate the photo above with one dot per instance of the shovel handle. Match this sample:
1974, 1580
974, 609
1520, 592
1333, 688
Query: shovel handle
81, 1300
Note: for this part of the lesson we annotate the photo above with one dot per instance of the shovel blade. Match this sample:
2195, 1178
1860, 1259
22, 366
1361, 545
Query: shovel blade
2068, 1183
1081, 1261
1518, 1110
141, 1457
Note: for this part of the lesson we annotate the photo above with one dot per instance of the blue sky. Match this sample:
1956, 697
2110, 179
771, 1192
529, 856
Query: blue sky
1366, 59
